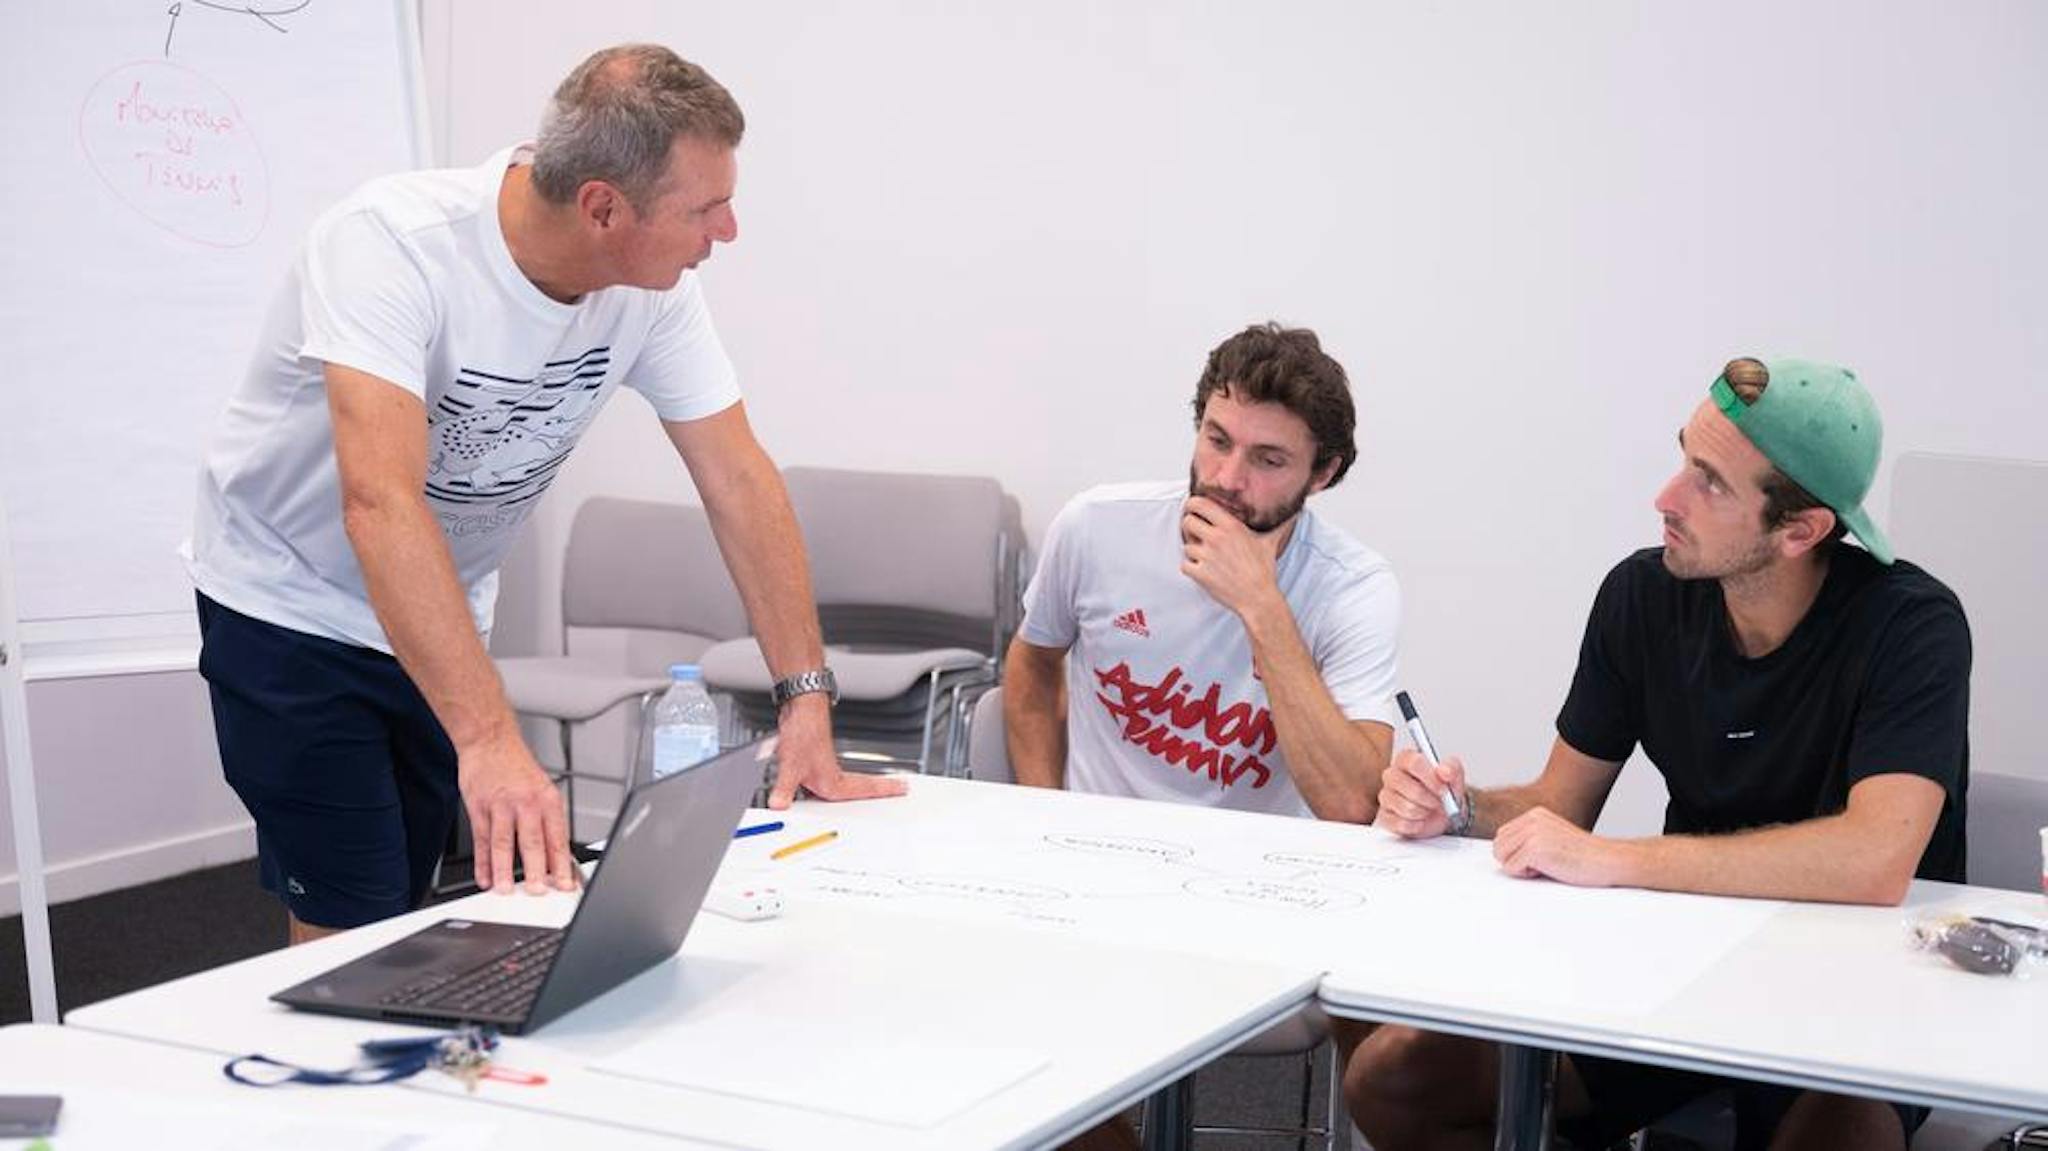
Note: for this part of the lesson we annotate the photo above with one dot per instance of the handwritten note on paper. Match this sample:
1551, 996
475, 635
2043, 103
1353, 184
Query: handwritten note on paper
175, 148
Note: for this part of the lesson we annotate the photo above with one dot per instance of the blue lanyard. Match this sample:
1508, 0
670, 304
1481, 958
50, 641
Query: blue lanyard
382, 1061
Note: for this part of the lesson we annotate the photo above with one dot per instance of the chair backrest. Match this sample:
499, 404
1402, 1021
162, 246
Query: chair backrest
642, 564
909, 560
2007, 813
988, 755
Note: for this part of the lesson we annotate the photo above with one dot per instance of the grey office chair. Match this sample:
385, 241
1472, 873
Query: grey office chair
917, 582
649, 574
2007, 813
984, 754
1301, 1036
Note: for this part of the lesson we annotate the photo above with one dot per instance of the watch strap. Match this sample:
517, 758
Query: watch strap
805, 683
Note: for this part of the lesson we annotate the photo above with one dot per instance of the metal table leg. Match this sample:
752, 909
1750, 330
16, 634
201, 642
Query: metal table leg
1528, 1094
1170, 1116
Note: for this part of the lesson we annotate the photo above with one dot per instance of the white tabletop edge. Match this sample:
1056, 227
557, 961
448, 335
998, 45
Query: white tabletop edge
1685, 1057
508, 1103
1123, 1095
1293, 988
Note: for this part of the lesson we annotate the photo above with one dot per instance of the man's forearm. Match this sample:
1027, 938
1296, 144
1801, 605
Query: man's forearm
1572, 784
1821, 860
1335, 765
1038, 753
1035, 716
425, 614
758, 536
1494, 806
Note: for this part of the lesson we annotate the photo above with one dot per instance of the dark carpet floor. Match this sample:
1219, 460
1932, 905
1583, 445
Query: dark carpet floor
125, 940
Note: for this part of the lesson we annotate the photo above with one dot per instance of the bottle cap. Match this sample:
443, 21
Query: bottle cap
685, 671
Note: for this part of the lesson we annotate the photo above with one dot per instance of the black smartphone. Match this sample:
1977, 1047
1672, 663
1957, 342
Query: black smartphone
27, 1116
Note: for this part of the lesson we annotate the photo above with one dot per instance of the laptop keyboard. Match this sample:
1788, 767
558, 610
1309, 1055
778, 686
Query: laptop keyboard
504, 986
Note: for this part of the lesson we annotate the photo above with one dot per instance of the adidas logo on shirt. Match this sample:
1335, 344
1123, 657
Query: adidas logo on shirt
1133, 621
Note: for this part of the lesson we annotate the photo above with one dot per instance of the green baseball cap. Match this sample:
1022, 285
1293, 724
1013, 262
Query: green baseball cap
1820, 427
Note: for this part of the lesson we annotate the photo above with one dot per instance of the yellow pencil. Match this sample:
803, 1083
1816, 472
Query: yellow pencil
801, 844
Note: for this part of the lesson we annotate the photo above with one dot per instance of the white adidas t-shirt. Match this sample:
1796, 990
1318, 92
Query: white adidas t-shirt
410, 280
1162, 700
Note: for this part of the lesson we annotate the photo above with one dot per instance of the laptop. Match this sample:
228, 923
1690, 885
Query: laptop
664, 849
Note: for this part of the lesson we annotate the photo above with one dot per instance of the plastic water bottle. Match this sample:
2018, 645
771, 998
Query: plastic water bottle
685, 722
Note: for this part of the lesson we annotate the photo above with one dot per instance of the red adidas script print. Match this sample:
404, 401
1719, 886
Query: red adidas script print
1181, 729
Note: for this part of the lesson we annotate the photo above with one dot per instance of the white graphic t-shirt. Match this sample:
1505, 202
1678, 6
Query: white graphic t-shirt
410, 280
1162, 698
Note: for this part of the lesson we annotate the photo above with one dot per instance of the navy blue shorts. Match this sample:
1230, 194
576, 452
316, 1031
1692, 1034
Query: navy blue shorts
349, 776
1627, 1096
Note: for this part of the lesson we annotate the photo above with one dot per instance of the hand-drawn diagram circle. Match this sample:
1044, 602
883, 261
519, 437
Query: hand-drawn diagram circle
1123, 847
1271, 893
860, 884
1370, 868
988, 889
173, 146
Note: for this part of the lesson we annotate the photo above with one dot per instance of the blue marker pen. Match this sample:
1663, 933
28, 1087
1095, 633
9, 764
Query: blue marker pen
758, 829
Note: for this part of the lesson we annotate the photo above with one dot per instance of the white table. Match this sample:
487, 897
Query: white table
1819, 996
1114, 1023
1814, 995
1424, 920
121, 1093
1134, 941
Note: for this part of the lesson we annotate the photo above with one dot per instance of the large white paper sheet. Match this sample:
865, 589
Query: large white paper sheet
1414, 918
882, 1076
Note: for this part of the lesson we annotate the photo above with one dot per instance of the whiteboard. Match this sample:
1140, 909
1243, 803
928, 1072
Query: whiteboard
165, 159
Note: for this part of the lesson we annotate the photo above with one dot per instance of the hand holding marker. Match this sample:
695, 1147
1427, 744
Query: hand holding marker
1460, 817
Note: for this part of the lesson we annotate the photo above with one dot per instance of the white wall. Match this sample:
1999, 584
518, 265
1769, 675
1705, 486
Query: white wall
128, 785
1000, 238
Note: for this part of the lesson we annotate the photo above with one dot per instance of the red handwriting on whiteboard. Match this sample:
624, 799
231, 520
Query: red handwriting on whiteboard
188, 117
163, 170
173, 145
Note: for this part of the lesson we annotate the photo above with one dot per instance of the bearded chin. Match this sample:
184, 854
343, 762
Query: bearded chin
1746, 563
1267, 525
1262, 525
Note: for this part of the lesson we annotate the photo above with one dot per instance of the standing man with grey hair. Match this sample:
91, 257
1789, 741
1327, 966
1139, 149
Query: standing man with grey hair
441, 342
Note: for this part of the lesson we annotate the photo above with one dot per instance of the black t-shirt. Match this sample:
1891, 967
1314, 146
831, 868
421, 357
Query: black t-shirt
1874, 680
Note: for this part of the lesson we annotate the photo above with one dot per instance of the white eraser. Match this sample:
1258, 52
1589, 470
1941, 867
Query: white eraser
744, 902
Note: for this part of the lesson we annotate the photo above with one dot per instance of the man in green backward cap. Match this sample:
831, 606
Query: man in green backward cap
1806, 701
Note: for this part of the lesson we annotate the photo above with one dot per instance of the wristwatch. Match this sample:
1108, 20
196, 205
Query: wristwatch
804, 683
1461, 823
